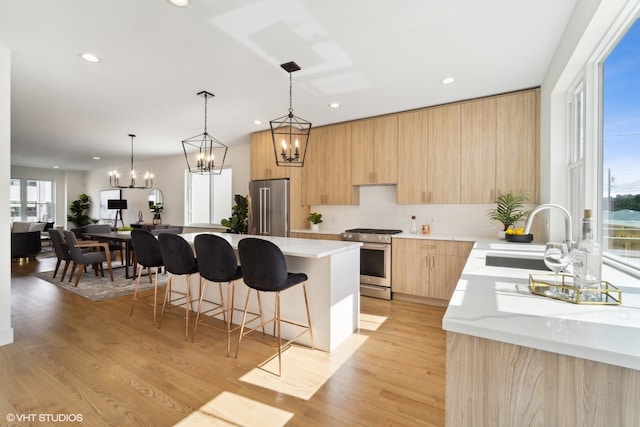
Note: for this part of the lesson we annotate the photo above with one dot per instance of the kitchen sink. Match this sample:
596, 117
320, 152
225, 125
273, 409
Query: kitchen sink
527, 260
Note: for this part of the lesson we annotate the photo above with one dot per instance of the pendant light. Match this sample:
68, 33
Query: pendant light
204, 155
114, 176
290, 134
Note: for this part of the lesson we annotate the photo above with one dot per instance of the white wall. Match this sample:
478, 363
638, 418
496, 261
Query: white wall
6, 331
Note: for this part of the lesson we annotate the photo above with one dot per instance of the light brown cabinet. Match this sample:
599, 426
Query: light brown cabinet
374, 151
478, 151
517, 143
429, 156
326, 174
427, 268
317, 236
263, 163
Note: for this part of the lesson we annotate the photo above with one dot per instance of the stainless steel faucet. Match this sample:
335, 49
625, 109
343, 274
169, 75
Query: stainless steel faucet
568, 233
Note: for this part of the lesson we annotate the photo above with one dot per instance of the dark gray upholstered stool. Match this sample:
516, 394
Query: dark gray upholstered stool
264, 269
147, 250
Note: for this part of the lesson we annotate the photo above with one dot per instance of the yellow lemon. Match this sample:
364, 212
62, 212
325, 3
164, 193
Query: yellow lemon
509, 231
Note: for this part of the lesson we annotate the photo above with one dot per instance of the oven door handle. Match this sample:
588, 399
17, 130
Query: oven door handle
374, 246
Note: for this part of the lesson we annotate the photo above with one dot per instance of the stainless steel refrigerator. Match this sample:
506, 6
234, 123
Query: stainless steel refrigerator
269, 207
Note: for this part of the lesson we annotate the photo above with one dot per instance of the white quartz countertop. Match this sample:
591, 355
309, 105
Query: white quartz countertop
495, 303
290, 246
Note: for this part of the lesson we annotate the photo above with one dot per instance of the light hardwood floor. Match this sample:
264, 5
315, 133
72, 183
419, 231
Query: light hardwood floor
74, 356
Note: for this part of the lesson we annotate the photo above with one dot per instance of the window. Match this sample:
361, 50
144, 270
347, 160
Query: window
620, 193
31, 200
576, 156
209, 198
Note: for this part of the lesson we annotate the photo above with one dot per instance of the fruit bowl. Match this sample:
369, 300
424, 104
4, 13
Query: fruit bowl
519, 238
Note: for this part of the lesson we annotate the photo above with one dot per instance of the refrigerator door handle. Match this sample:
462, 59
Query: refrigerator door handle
265, 200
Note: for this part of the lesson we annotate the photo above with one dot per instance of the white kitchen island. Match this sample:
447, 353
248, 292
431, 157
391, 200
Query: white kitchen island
514, 358
333, 288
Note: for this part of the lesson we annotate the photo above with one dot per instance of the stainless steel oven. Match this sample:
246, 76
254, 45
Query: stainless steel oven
375, 260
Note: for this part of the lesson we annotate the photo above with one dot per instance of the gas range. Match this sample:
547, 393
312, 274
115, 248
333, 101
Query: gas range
373, 235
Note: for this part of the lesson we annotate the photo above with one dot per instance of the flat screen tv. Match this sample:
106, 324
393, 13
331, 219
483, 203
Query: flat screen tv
116, 204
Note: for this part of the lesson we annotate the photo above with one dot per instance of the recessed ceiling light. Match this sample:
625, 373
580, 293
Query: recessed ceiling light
334, 105
96, 158
56, 167
89, 57
180, 3
257, 122
448, 81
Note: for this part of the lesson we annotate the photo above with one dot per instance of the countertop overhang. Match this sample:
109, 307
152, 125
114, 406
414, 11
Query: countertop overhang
495, 303
290, 246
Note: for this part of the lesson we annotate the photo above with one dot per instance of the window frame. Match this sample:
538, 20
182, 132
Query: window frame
25, 203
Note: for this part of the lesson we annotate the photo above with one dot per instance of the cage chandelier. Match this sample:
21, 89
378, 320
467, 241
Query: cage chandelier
204, 155
114, 176
290, 134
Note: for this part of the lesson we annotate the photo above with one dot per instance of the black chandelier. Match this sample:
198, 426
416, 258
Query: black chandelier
205, 155
114, 176
290, 133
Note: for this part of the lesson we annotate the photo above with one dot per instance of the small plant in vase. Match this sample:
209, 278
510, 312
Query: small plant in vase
157, 209
315, 219
509, 210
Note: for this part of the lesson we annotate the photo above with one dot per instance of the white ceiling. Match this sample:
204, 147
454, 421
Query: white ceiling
371, 56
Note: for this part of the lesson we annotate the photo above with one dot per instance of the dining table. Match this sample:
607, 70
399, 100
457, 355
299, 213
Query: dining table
120, 237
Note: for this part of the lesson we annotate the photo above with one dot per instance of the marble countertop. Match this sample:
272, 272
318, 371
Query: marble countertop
290, 246
495, 303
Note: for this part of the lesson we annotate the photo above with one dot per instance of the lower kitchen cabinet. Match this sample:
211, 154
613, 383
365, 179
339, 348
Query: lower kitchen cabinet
427, 269
318, 236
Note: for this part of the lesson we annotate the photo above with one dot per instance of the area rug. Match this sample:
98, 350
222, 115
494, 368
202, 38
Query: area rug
98, 288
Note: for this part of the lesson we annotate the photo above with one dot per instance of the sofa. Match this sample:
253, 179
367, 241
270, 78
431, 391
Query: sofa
26, 239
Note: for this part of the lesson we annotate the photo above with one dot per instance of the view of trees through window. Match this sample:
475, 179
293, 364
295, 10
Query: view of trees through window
621, 148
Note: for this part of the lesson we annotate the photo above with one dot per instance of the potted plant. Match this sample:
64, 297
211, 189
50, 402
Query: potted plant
157, 209
78, 209
315, 218
238, 223
509, 210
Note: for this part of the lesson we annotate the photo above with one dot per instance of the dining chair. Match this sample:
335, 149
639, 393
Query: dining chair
81, 259
106, 228
217, 263
147, 250
61, 250
264, 269
179, 260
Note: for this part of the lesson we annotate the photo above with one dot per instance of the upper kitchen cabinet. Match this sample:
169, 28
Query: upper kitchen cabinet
374, 151
326, 175
263, 163
429, 156
517, 143
478, 151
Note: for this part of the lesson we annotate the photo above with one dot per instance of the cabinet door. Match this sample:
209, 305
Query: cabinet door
263, 163
412, 158
448, 260
478, 151
313, 172
362, 152
327, 171
385, 149
337, 173
410, 267
517, 143
443, 138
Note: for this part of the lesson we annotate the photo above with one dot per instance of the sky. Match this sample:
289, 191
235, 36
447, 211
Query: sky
622, 114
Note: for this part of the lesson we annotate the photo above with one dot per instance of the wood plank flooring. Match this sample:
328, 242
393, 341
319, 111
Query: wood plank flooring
74, 356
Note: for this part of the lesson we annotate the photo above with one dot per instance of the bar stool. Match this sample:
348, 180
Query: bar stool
179, 260
217, 263
264, 269
147, 250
